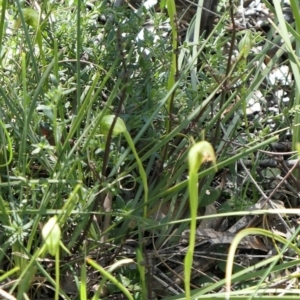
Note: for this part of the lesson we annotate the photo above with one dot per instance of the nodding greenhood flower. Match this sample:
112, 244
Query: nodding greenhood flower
31, 17
52, 234
106, 123
245, 44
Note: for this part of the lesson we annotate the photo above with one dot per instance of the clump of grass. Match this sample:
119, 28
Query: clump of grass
96, 134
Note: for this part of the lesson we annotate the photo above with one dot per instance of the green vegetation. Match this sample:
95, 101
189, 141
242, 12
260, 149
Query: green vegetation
106, 149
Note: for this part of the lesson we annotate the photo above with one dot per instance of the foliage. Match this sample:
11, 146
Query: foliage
96, 129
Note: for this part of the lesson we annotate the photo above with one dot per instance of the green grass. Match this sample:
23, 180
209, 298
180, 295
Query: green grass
97, 134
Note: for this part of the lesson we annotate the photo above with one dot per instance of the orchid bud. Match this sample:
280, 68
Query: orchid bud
52, 234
